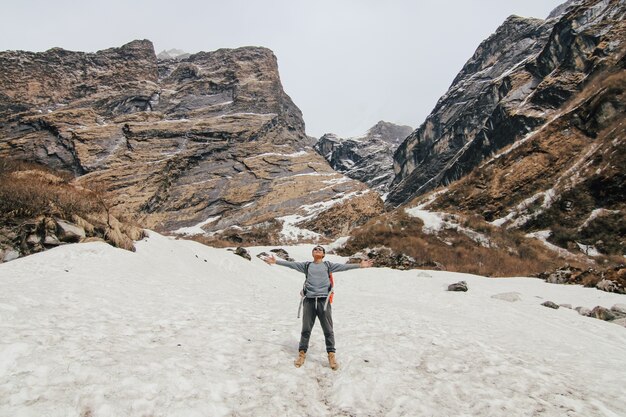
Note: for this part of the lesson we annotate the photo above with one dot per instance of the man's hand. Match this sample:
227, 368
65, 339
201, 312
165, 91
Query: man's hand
270, 260
366, 263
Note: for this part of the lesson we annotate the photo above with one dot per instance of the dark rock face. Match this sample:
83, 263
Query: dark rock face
518, 79
210, 140
48, 80
367, 158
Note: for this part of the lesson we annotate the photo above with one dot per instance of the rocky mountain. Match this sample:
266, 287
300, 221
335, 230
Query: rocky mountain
522, 77
177, 54
541, 134
367, 158
202, 144
520, 170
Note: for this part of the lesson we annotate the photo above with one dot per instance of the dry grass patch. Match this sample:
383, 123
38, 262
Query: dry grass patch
511, 254
29, 190
33, 196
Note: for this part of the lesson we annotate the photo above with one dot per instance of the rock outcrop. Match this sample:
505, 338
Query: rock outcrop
367, 158
521, 77
208, 142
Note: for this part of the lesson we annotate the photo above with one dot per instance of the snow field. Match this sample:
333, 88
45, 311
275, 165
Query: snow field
180, 329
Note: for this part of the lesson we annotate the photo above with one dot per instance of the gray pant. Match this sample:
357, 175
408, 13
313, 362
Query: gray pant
313, 309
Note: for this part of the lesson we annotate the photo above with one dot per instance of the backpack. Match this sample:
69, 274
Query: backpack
331, 288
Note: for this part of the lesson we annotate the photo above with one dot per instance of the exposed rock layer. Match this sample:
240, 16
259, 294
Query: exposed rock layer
211, 139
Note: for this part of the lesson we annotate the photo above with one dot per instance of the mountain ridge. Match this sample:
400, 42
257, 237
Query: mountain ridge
366, 158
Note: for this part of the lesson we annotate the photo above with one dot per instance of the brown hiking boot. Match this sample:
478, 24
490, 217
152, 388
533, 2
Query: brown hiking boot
332, 361
300, 360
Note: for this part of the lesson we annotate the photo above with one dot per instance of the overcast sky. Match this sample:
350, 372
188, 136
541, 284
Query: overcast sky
345, 63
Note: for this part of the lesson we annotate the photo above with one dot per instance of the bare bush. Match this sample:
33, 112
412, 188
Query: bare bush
33, 198
37, 191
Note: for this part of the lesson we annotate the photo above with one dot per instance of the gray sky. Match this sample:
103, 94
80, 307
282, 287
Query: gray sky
345, 63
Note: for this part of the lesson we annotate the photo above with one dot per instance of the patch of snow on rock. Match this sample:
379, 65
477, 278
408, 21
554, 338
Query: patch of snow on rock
196, 229
434, 222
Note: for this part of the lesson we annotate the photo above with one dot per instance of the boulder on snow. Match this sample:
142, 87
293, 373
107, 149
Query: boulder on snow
602, 313
508, 296
282, 254
550, 304
621, 322
69, 232
583, 311
458, 286
243, 252
619, 309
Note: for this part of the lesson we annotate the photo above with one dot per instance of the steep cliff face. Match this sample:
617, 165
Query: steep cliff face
367, 158
210, 140
518, 79
565, 180
54, 79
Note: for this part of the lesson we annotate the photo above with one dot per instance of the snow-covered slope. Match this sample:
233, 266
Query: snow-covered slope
180, 329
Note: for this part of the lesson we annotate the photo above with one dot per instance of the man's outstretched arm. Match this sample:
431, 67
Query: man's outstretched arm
271, 260
365, 263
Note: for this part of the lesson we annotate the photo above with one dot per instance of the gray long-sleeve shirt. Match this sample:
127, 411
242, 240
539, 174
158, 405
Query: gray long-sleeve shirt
318, 282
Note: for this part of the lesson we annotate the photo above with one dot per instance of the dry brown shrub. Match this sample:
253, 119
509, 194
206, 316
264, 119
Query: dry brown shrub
79, 221
15, 165
478, 224
36, 175
93, 239
133, 232
118, 239
31, 194
98, 219
36, 191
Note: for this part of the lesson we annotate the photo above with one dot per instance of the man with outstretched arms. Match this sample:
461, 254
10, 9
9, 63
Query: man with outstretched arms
316, 292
